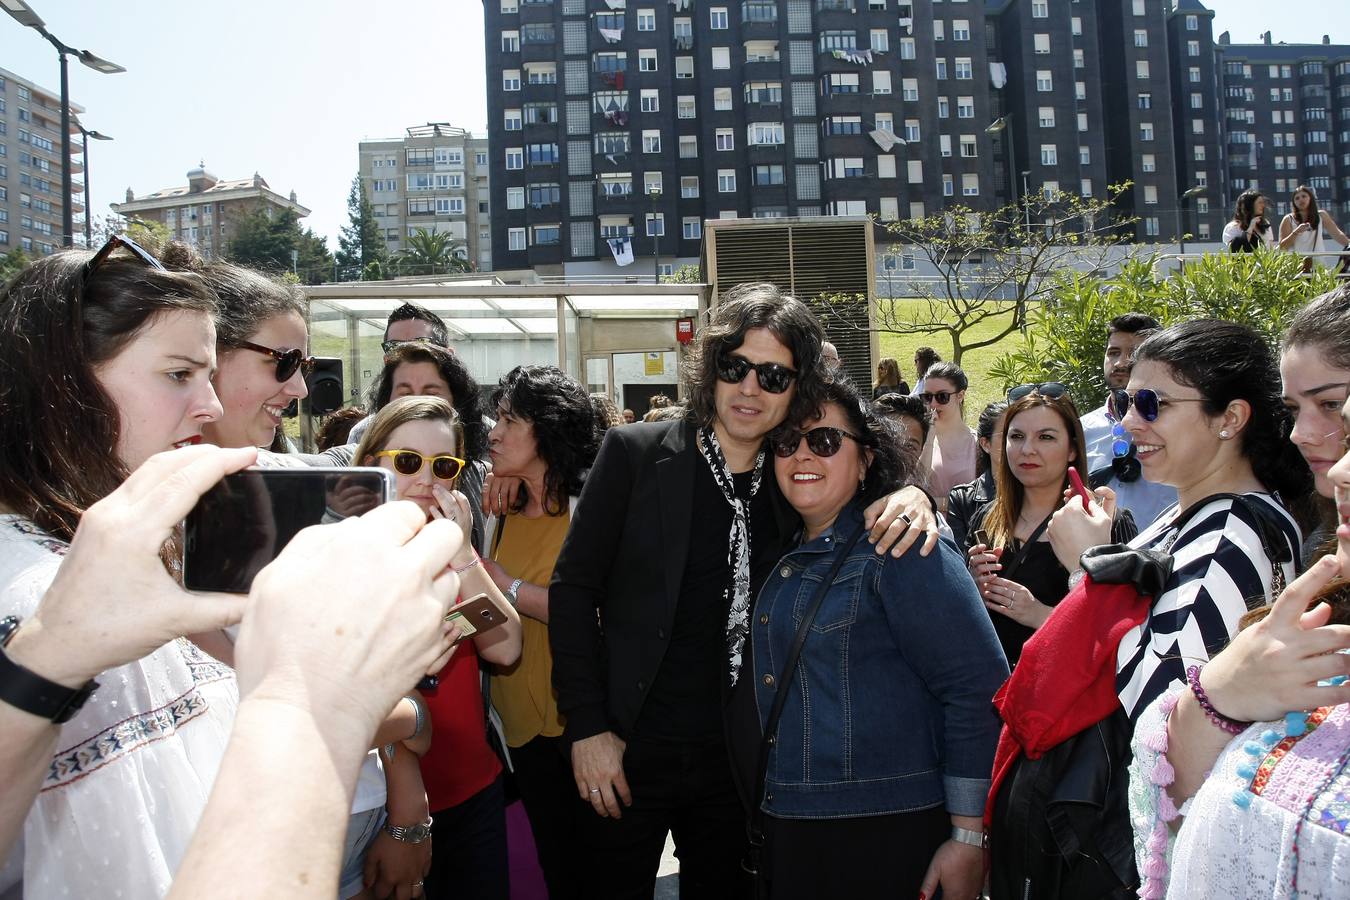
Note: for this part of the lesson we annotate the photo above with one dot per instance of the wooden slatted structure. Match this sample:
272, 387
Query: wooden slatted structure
807, 257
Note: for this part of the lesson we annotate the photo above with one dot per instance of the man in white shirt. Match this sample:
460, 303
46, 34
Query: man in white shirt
1142, 498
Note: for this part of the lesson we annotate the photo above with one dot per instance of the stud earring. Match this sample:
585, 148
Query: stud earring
1223, 435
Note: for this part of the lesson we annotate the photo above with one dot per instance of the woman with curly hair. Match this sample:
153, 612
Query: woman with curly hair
886, 737
545, 436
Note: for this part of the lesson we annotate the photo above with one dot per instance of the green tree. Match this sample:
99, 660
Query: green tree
362, 240
1065, 336
431, 253
991, 268
12, 263
686, 274
264, 240
149, 233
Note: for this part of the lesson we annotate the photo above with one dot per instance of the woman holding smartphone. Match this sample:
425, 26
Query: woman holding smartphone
1011, 557
105, 361
420, 441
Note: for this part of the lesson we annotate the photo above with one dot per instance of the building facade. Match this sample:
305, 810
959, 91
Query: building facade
30, 168
204, 212
641, 119
434, 177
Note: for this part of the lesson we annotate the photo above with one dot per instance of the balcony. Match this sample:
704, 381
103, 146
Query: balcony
684, 42
538, 51
762, 68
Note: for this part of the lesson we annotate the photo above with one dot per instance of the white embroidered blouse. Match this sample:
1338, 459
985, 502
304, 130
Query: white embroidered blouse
133, 768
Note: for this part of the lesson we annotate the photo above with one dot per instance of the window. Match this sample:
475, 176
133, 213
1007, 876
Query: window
515, 158
843, 125
692, 228
1145, 101
948, 186
881, 82
1041, 43
1138, 7
1148, 163
1050, 190
965, 107
1145, 131
539, 195
1082, 122
650, 100
890, 209
944, 108
939, 30
1150, 195
1076, 26
767, 175
717, 18
1194, 74
1049, 155
885, 166
842, 83
724, 139
1140, 37
1078, 62
685, 107
968, 146
515, 198
1044, 80
510, 79
1080, 90
1040, 9
537, 33
765, 134
510, 41
1197, 126
722, 98
838, 40
1192, 48
684, 67
1193, 24
1084, 156
907, 48
1141, 69
911, 131
512, 117
1197, 101
542, 154
688, 146
885, 122
909, 90
970, 185
721, 57
1199, 152
961, 29
845, 167
963, 69
646, 20
879, 40
651, 141
726, 181
515, 239
764, 92
656, 224
941, 69
914, 171
945, 144
646, 60
546, 235
1046, 116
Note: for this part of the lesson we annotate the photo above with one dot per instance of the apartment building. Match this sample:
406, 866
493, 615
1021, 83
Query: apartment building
30, 167
205, 211
434, 177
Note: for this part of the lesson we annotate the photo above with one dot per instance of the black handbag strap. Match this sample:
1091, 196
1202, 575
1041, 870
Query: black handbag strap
784, 679
1021, 555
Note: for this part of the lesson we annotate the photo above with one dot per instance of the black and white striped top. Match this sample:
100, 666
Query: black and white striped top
1220, 571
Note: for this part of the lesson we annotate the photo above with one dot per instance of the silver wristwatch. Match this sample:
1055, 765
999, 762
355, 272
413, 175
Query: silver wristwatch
410, 834
512, 593
973, 838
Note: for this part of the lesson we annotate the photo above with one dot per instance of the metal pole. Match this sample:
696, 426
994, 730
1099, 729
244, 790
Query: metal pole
656, 241
1181, 227
67, 214
88, 231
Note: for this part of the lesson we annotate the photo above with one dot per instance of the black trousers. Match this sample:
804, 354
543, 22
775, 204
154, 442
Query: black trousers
468, 849
543, 776
681, 789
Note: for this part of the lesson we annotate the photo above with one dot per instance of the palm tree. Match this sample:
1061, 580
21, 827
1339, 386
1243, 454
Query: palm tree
432, 253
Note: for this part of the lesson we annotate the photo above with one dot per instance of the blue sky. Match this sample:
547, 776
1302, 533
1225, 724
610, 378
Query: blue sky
290, 87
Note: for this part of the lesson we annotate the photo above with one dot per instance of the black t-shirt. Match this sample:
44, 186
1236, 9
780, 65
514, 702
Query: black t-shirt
685, 700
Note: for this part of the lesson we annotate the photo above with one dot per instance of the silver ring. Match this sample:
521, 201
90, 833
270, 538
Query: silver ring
595, 790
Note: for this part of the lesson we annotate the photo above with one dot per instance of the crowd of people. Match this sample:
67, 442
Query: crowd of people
1306, 229
829, 638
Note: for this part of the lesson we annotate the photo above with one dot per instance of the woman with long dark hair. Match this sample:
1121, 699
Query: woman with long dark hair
964, 499
952, 447
1307, 226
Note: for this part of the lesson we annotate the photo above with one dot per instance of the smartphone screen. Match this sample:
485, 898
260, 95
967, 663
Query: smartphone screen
241, 524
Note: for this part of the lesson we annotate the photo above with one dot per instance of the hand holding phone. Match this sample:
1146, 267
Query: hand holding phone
476, 616
1076, 485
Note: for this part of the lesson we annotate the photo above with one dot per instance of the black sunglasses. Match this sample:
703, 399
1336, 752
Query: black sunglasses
772, 377
1146, 402
942, 397
824, 441
1051, 389
288, 361
107, 249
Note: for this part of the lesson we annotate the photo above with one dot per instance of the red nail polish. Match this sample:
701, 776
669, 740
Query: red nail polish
923, 896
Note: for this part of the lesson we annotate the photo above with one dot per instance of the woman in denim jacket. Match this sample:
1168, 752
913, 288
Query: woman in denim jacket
878, 772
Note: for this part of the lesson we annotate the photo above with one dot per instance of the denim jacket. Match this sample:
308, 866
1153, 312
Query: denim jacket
890, 707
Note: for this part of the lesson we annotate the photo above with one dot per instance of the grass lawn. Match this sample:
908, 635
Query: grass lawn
976, 362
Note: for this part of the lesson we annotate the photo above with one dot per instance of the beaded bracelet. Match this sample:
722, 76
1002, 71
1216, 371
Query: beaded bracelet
477, 560
1232, 726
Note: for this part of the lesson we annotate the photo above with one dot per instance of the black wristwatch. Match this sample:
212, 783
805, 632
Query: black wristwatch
24, 689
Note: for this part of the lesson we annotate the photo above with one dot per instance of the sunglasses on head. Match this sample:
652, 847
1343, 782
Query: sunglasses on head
1146, 402
772, 377
1050, 389
942, 397
410, 462
115, 242
824, 441
288, 361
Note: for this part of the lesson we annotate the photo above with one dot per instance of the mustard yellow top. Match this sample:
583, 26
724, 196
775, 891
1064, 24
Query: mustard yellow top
523, 693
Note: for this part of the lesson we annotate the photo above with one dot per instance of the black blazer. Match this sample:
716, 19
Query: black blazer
611, 603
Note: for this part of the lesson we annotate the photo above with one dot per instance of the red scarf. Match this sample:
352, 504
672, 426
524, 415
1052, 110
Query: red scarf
1065, 680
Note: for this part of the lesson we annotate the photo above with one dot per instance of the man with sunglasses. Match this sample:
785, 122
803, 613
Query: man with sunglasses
1111, 461
650, 600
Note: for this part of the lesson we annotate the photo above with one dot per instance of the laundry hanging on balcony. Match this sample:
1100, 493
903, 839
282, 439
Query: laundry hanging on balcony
858, 57
617, 4
681, 4
612, 35
883, 139
998, 74
907, 23
622, 248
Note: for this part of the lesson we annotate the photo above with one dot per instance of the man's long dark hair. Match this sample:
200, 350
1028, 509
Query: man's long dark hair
746, 307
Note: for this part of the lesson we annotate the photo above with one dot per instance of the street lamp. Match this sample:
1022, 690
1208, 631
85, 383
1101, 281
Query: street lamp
1181, 226
85, 135
655, 196
1004, 124
22, 13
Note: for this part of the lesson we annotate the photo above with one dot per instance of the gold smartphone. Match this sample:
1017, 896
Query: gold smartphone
476, 615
